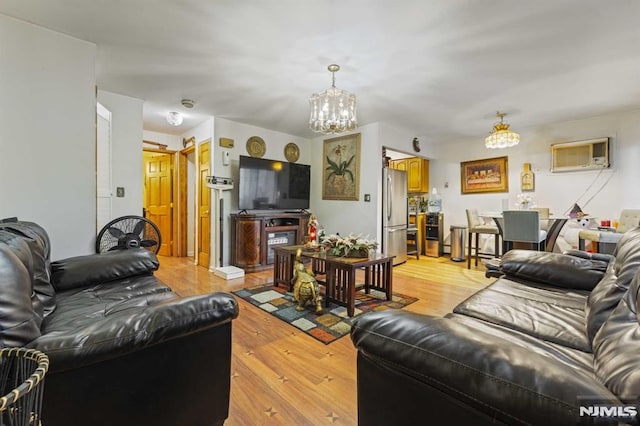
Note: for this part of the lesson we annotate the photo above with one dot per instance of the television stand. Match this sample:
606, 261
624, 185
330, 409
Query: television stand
254, 235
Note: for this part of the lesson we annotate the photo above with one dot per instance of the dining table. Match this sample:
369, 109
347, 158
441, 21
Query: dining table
554, 226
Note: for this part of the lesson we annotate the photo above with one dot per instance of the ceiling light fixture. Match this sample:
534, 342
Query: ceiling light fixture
187, 103
500, 136
175, 118
334, 110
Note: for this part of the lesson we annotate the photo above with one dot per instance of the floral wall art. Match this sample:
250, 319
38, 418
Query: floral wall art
341, 168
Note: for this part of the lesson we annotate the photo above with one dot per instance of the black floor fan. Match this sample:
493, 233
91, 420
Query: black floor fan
129, 232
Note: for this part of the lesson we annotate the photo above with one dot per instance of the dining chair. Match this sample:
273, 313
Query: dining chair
544, 217
413, 243
477, 226
523, 226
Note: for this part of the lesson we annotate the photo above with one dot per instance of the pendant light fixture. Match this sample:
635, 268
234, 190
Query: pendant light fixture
500, 136
334, 110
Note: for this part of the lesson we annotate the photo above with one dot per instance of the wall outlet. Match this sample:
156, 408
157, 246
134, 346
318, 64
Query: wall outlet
120, 192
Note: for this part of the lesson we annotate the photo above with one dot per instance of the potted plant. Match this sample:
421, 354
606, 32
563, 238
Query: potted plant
350, 246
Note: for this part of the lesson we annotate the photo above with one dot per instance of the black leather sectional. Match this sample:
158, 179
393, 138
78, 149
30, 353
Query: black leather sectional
554, 341
123, 348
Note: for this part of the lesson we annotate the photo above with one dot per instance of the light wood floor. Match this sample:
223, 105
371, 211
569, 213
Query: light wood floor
281, 376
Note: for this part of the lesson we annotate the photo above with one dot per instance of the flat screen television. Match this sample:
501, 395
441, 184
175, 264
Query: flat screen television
273, 185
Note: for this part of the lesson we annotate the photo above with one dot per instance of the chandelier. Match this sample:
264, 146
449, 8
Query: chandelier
334, 110
500, 136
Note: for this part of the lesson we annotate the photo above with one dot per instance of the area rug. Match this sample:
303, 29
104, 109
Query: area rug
333, 323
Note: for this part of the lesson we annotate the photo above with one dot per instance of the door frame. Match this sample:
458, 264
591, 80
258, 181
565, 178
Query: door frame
182, 206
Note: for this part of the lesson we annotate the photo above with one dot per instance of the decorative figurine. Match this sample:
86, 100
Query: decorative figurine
312, 228
305, 286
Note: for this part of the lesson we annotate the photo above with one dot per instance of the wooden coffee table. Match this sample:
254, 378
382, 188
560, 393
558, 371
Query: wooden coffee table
340, 274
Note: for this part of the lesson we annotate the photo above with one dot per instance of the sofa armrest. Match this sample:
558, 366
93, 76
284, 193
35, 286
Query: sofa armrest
82, 271
134, 327
554, 269
513, 383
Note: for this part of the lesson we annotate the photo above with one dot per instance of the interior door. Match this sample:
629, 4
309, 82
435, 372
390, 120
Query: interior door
204, 205
158, 195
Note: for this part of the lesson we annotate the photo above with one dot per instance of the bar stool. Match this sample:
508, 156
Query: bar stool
477, 226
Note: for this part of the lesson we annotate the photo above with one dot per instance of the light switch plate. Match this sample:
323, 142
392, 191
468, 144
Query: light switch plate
367, 198
120, 192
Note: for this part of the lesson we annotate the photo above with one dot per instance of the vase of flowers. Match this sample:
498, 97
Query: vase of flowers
524, 202
350, 246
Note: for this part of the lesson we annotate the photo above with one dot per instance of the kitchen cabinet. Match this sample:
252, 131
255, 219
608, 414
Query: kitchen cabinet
417, 173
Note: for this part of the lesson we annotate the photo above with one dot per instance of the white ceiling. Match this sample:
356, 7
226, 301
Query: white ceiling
438, 68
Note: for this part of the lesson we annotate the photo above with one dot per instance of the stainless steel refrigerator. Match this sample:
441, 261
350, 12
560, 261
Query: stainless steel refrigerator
394, 214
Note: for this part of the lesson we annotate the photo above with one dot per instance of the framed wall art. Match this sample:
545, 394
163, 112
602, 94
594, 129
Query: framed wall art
482, 176
341, 168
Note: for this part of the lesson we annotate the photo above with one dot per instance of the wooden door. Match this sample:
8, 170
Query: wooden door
204, 205
158, 195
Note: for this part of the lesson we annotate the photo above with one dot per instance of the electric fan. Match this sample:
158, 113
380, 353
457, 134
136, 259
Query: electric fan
128, 232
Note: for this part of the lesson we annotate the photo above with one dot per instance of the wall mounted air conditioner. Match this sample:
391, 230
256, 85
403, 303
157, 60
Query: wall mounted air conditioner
581, 155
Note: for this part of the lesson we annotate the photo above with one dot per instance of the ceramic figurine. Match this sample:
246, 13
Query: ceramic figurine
305, 286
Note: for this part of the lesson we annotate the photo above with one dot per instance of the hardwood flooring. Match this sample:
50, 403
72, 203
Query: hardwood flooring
281, 376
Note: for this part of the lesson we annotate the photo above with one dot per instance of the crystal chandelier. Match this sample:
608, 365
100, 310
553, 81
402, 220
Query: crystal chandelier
334, 110
500, 136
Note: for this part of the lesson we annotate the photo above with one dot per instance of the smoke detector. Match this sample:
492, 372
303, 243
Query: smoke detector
187, 103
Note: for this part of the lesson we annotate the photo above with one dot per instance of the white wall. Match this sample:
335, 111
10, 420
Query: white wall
126, 151
173, 142
47, 133
275, 142
612, 189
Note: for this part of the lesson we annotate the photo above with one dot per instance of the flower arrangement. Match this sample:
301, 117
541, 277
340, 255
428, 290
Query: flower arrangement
350, 246
524, 201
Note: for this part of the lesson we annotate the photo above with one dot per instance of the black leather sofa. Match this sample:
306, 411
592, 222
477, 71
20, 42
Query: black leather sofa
553, 341
123, 348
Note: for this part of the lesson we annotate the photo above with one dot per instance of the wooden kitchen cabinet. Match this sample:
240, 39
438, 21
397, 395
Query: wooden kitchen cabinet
417, 173
398, 164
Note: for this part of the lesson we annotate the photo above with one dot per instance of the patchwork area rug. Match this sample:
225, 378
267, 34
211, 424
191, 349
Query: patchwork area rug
333, 323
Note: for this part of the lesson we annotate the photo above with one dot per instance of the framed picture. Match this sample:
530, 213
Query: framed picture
480, 176
341, 168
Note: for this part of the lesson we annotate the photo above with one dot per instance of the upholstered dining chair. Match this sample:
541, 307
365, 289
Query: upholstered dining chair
522, 226
413, 242
629, 218
544, 217
477, 226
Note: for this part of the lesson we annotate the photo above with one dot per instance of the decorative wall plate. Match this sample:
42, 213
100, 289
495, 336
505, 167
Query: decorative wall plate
291, 152
256, 146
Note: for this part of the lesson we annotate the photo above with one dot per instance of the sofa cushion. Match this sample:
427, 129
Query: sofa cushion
610, 290
93, 269
39, 244
18, 323
553, 314
554, 269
